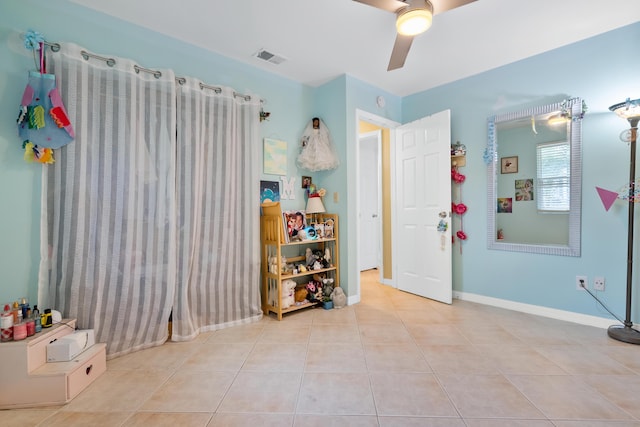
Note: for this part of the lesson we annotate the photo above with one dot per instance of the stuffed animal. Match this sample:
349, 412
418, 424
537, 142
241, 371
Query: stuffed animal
314, 290
300, 294
338, 297
327, 284
327, 256
315, 260
288, 293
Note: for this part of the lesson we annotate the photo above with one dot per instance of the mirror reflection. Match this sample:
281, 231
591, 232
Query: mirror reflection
534, 194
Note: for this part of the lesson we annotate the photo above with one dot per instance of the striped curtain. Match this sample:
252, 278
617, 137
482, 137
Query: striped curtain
108, 203
151, 210
217, 194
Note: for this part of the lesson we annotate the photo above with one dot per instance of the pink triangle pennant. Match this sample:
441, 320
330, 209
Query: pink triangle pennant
607, 197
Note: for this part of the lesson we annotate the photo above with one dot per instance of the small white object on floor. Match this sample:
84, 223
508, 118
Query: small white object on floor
338, 297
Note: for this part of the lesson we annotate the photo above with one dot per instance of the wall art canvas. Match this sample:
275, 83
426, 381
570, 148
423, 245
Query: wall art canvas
269, 191
524, 190
509, 164
505, 205
275, 157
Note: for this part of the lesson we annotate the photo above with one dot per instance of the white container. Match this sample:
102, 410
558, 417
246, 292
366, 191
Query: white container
6, 326
70, 346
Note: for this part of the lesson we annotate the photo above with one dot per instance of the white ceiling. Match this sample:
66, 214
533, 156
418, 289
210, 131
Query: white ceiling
322, 39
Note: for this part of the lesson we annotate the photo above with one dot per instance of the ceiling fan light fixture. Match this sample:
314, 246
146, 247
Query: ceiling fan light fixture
411, 22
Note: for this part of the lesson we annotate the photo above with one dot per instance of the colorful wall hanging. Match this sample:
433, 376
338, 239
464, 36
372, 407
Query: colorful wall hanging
43, 123
459, 209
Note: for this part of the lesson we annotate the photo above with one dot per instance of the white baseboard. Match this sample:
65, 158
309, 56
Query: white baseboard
353, 299
388, 282
568, 316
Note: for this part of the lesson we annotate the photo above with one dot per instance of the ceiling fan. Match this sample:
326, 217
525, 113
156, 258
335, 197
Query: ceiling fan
413, 17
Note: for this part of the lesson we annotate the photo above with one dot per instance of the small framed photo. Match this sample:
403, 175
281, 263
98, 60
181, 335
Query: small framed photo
524, 190
509, 164
306, 181
505, 205
319, 230
328, 229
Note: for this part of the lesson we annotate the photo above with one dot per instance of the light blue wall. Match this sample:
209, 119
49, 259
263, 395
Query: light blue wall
361, 96
290, 103
339, 100
603, 71
600, 70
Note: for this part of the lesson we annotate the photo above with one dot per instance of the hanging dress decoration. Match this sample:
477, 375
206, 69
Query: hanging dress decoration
43, 124
318, 152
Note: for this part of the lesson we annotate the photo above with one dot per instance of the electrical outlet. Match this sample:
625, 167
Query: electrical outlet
582, 282
598, 283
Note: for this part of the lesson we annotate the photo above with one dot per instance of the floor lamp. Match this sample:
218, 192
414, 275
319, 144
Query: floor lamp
629, 110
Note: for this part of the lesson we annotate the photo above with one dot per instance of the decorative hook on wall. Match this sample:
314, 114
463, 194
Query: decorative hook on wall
264, 115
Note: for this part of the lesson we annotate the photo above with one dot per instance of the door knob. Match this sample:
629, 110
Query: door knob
374, 216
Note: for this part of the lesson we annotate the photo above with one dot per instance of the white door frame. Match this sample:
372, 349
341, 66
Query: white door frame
378, 135
364, 116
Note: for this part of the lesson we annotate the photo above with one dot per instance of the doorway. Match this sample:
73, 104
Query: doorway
438, 287
369, 190
366, 123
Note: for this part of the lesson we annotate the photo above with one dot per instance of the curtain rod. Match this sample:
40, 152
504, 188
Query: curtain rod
55, 47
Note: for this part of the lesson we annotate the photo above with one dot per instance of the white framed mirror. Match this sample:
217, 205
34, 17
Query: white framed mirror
534, 179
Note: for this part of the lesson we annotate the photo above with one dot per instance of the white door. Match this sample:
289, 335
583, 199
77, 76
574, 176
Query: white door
423, 200
369, 200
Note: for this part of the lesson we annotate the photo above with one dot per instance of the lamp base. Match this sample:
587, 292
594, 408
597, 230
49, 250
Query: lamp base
624, 333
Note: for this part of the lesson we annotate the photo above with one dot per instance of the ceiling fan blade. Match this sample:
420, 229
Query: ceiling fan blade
388, 5
400, 51
440, 6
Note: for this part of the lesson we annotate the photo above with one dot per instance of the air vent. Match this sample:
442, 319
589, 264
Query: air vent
269, 57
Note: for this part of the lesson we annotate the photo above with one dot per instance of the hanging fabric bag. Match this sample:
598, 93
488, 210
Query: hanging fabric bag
43, 123
43, 119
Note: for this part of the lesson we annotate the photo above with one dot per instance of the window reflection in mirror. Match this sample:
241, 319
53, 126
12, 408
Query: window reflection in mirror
534, 193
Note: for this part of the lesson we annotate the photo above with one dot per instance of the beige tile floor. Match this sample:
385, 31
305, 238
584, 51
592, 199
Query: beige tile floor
394, 359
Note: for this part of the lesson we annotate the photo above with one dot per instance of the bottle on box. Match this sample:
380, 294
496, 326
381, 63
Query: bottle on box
24, 306
17, 313
47, 320
36, 318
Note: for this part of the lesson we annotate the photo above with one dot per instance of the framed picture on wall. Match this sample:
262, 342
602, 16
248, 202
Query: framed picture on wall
524, 190
505, 205
328, 229
509, 164
269, 191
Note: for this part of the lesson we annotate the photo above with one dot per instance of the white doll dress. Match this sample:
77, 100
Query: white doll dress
318, 152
